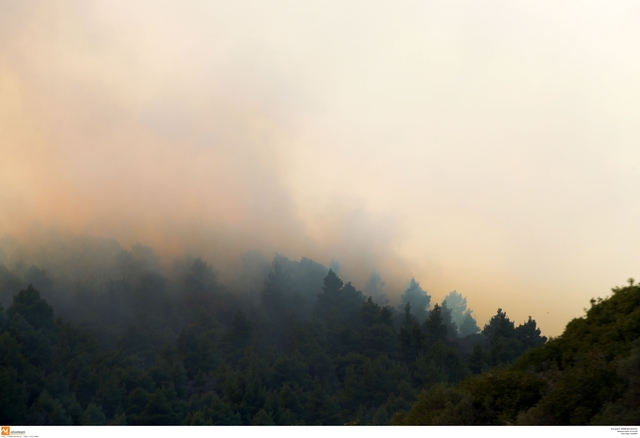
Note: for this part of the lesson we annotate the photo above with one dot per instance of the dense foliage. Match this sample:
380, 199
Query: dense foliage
285, 343
588, 375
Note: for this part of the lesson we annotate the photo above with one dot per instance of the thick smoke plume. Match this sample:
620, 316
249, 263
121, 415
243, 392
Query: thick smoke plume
486, 149
134, 133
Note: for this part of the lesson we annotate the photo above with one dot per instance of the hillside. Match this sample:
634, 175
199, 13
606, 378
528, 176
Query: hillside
588, 375
138, 345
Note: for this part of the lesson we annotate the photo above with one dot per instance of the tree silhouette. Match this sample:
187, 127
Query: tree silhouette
374, 288
418, 299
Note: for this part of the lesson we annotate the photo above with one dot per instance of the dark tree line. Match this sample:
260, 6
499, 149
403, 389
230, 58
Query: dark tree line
287, 343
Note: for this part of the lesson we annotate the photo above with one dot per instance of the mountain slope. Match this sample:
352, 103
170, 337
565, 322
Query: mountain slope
588, 375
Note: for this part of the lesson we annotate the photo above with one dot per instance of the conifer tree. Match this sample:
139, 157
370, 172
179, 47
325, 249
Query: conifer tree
374, 288
418, 298
460, 315
435, 326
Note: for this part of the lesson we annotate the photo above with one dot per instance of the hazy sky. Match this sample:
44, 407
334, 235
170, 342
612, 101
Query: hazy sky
488, 147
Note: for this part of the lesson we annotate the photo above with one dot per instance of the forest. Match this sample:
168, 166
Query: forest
100, 335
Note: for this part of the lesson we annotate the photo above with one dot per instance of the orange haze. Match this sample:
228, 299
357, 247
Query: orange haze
486, 148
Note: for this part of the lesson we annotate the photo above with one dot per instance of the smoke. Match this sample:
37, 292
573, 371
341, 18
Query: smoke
128, 123
488, 149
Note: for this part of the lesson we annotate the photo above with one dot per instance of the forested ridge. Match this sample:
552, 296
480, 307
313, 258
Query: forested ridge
588, 375
289, 342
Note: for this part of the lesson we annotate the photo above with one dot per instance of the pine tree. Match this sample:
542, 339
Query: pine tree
411, 337
460, 315
529, 335
338, 304
468, 325
374, 288
31, 307
452, 328
276, 291
501, 334
435, 326
418, 299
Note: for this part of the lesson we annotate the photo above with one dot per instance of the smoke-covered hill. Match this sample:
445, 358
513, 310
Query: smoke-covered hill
96, 334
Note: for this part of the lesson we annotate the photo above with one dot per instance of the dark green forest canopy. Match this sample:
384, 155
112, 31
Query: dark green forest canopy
588, 375
288, 343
